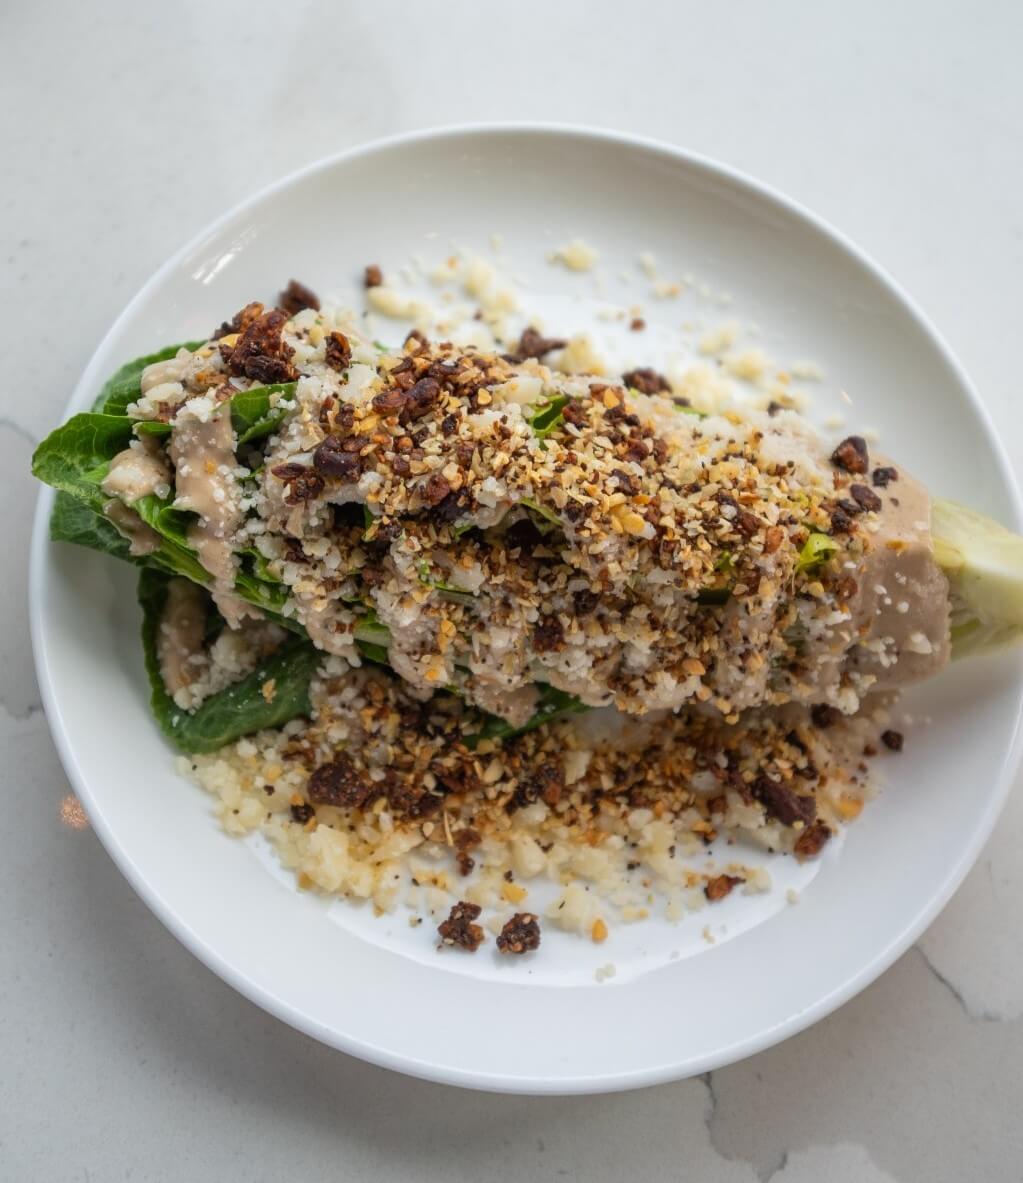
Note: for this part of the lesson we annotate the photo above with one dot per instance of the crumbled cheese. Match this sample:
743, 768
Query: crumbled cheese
808, 371
388, 302
750, 365
576, 255
718, 340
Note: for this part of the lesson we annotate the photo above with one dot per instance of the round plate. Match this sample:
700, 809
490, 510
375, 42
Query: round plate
685, 998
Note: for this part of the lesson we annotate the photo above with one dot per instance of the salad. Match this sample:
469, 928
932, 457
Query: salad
449, 604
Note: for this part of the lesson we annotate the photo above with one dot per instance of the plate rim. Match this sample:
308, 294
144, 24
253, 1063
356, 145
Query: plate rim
382, 1057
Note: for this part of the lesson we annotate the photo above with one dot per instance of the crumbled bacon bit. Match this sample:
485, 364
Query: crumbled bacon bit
637, 324
865, 498
585, 602
338, 351
823, 715
851, 455
720, 886
240, 321
520, 934
306, 487
389, 402
339, 784
883, 476
261, 353
372, 277
532, 343
459, 930
420, 399
465, 840
549, 783
746, 523
783, 803
436, 489
296, 297
811, 841
548, 635
288, 472
646, 381
574, 413
841, 521
333, 459
545, 784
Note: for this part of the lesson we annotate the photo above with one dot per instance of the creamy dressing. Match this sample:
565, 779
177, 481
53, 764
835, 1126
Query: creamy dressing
160, 372
901, 608
144, 539
179, 637
204, 462
517, 706
139, 471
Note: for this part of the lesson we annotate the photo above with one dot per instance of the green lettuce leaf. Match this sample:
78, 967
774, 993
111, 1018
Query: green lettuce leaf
76, 457
124, 387
541, 511
552, 705
73, 520
457, 595
547, 417
983, 562
255, 415
238, 710
252, 415
817, 549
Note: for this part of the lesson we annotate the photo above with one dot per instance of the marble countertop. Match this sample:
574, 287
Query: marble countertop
128, 127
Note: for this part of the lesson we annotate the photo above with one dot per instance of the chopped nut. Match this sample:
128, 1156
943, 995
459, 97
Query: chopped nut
811, 841
720, 886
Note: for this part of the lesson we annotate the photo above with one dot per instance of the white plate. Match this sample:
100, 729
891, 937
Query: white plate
678, 1004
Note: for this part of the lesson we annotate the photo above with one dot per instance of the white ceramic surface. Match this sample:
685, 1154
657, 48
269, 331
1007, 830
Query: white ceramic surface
812, 294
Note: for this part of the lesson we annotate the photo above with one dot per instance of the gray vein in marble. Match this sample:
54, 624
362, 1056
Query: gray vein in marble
855, 1078
776, 1171
838, 1163
971, 1012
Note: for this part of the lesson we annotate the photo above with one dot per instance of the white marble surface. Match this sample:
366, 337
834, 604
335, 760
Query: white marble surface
128, 126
